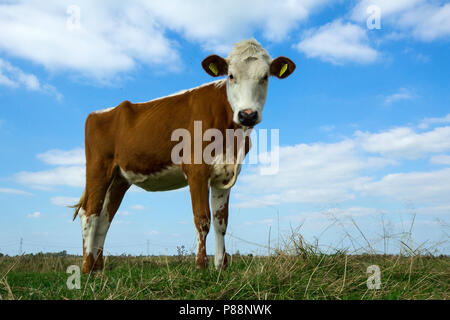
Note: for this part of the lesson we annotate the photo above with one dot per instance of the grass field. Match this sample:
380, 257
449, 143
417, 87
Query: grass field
298, 273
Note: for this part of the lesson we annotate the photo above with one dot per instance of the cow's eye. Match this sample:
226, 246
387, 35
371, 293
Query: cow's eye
231, 76
266, 77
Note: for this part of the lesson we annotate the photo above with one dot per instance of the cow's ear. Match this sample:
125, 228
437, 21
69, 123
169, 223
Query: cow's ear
282, 67
215, 65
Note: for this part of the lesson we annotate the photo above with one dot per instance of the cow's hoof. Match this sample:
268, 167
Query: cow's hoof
98, 266
223, 265
88, 264
202, 263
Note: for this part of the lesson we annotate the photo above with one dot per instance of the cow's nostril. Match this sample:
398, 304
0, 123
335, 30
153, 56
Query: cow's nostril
253, 115
248, 117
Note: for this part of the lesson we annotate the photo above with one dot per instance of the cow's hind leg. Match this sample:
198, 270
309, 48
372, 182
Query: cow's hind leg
219, 207
95, 221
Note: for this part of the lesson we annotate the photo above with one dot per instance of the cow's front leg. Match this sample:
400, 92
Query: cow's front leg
219, 206
199, 187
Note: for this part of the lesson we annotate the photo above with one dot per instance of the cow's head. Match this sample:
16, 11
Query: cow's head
248, 68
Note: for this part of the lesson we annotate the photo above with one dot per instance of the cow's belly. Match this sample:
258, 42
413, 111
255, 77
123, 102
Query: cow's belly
169, 178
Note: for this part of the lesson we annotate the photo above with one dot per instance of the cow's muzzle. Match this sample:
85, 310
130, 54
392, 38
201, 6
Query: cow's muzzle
248, 117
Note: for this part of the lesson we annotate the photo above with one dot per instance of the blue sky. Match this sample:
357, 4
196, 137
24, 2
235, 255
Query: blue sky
364, 121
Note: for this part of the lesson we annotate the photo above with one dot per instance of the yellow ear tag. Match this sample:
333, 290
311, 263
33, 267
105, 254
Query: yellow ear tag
213, 68
283, 70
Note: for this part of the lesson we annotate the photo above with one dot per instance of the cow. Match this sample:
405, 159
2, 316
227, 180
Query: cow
132, 143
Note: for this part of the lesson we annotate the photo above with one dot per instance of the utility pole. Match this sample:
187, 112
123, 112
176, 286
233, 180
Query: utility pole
278, 219
20, 247
148, 247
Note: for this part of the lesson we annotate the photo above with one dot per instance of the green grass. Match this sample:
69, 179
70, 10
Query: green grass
292, 274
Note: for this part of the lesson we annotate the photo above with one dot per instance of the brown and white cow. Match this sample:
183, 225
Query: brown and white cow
132, 144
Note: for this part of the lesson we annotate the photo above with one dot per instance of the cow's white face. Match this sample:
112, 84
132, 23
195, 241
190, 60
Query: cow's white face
248, 68
247, 83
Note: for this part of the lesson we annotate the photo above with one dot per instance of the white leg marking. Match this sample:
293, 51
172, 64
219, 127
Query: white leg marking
94, 228
103, 223
219, 199
202, 233
85, 226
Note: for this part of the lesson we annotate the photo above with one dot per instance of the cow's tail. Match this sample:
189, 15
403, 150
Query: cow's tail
78, 205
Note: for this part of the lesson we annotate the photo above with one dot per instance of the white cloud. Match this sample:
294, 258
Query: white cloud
420, 57
116, 36
69, 171
334, 173
121, 222
404, 142
428, 22
440, 159
388, 7
327, 128
124, 213
401, 94
417, 18
64, 201
433, 121
60, 157
217, 24
14, 191
420, 187
35, 215
112, 37
138, 207
14, 77
73, 176
338, 43
308, 173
